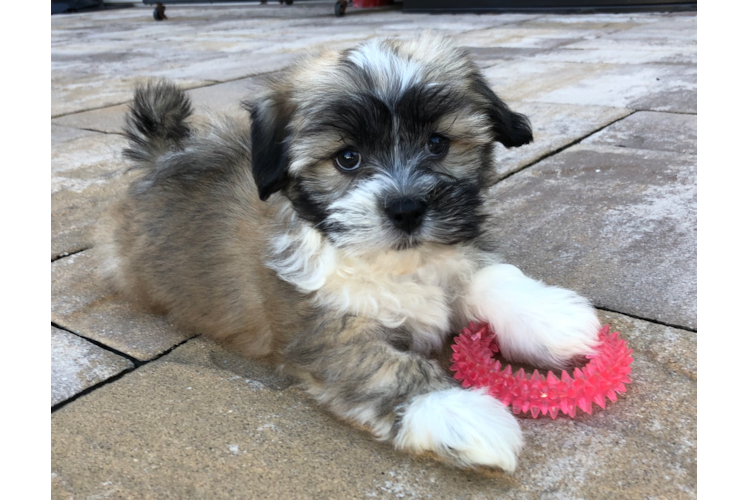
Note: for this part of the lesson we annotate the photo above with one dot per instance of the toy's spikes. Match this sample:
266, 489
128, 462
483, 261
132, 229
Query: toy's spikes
604, 375
600, 400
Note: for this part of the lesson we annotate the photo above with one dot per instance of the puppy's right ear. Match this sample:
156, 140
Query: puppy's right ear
268, 127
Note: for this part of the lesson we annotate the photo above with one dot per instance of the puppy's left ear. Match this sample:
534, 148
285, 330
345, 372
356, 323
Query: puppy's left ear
509, 128
268, 127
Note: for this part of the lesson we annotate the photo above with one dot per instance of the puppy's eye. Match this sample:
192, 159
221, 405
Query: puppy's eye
437, 145
348, 159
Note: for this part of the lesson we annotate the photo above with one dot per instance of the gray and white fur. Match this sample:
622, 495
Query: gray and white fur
341, 231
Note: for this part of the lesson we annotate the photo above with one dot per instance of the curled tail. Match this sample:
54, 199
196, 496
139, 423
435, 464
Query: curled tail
156, 123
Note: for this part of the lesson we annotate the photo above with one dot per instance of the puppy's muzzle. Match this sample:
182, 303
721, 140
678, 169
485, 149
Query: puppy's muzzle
406, 214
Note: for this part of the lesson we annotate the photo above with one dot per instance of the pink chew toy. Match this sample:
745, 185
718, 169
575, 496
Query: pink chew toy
604, 375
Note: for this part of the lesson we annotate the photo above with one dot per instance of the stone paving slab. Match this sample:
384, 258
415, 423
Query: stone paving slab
598, 52
201, 422
554, 127
212, 99
78, 364
81, 304
673, 348
225, 97
648, 130
74, 215
69, 96
94, 52
612, 217
668, 31
617, 60
656, 87
545, 36
529, 36
454, 24
173, 59
486, 57
81, 158
109, 120
87, 172
88, 67
617, 225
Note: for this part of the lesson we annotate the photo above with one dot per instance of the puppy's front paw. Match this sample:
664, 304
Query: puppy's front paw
464, 427
544, 325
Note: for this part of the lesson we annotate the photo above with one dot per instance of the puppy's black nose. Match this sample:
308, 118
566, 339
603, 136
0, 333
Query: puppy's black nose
406, 214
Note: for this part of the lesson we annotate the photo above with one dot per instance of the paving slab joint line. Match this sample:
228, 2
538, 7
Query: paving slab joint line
669, 112
133, 360
136, 364
649, 320
68, 254
97, 131
121, 134
565, 147
213, 84
515, 23
95, 108
89, 390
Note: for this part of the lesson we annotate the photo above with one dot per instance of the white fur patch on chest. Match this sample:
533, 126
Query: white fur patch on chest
414, 288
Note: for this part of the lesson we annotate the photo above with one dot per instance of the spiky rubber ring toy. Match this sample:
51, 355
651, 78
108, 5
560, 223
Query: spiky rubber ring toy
603, 376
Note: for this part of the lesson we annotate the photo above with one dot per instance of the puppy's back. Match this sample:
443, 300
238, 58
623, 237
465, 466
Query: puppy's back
188, 238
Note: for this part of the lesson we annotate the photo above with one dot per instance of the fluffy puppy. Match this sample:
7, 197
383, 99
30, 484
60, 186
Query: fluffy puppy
342, 232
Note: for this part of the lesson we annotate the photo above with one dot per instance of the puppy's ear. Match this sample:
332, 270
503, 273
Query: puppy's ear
509, 128
268, 128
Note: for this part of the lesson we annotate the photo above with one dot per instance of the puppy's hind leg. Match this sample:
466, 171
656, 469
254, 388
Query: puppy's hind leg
543, 325
349, 366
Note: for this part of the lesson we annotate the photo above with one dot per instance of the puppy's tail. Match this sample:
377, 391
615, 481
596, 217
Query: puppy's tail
156, 122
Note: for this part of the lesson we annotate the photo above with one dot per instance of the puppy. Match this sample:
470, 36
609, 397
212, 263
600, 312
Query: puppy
342, 231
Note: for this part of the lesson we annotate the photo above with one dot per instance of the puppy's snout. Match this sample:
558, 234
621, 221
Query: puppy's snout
406, 213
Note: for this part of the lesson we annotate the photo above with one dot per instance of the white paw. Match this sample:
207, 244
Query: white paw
541, 324
464, 427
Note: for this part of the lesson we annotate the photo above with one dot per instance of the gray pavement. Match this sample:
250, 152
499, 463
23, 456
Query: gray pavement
604, 202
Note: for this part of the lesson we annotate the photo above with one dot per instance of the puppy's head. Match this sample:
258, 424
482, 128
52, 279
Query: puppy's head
384, 146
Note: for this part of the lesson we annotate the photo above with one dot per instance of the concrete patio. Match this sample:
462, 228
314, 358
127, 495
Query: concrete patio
603, 202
